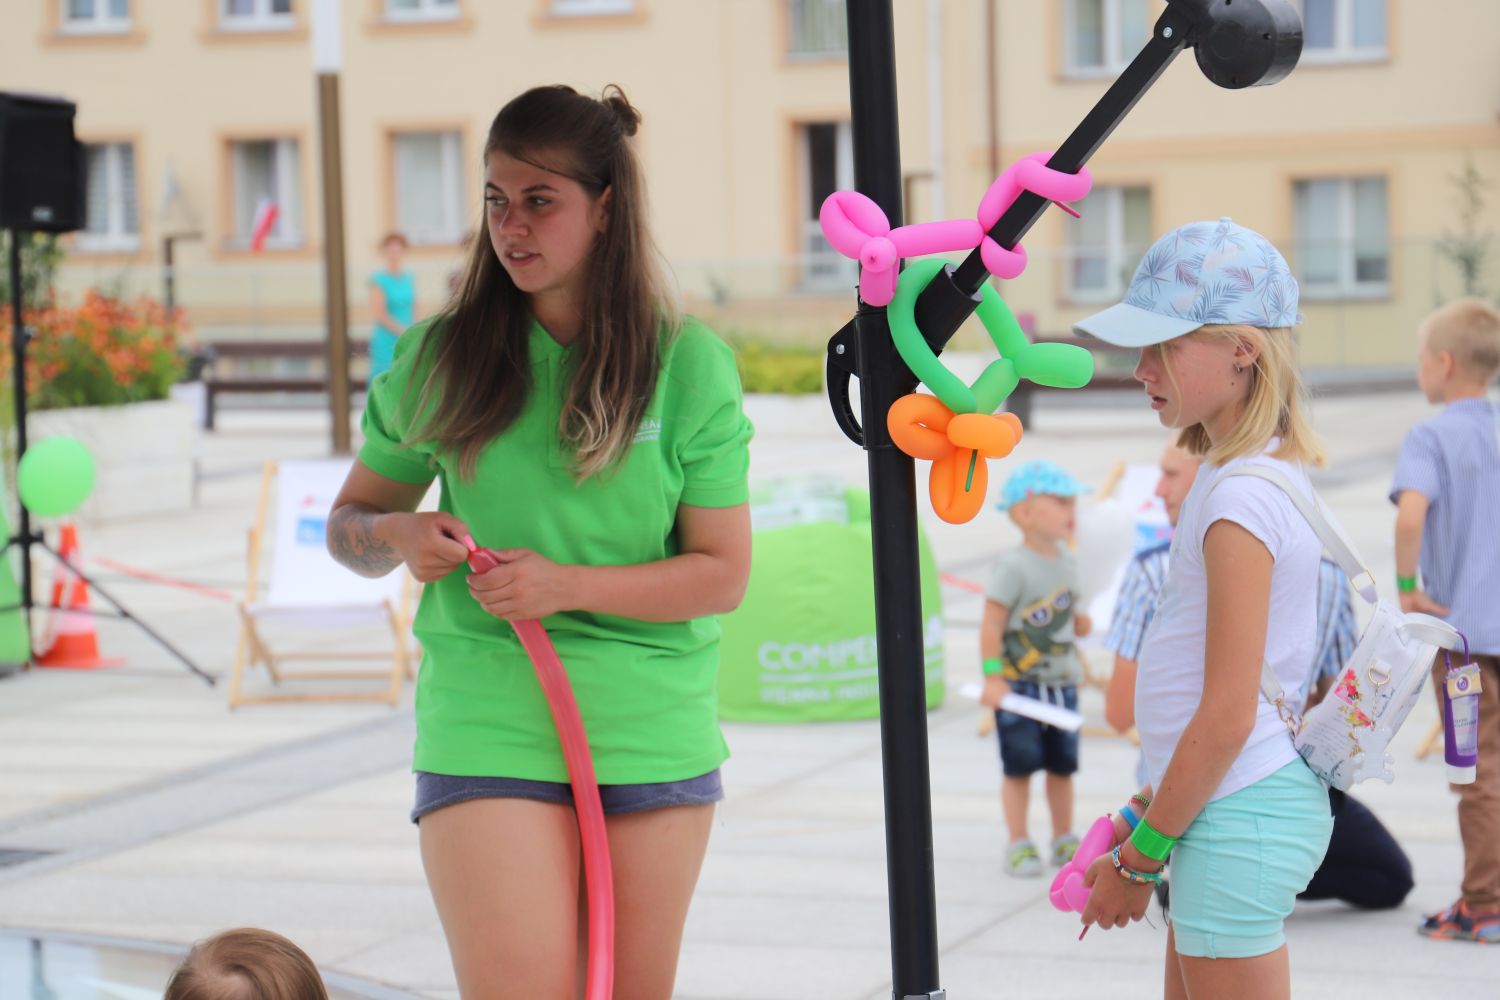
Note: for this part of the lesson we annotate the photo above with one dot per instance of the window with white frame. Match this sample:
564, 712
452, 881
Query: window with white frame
267, 172
255, 15
1343, 30
429, 186
817, 28
827, 157
111, 221
1343, 237
1100, 37
95, 16
421, 10
1104, 243
588, 8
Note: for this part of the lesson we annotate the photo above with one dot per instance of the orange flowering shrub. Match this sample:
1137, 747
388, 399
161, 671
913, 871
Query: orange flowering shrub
103, 353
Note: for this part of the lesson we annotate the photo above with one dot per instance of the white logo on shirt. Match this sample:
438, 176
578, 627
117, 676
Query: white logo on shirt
650, 430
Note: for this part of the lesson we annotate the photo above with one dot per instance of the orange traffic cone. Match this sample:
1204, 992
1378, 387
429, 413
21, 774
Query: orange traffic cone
69, 641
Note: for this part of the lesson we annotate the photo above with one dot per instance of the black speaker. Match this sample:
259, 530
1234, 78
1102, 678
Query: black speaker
42, 170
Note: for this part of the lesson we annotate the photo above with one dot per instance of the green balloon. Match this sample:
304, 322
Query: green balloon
55, 476
1064, 366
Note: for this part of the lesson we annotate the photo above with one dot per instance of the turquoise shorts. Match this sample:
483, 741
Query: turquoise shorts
1237, 870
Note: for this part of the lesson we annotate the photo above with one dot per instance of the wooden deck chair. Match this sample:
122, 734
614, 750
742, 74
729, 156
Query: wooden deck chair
307, 590
1432, 742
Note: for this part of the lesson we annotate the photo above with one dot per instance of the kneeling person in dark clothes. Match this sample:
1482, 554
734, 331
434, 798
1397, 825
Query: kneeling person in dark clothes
1364, 866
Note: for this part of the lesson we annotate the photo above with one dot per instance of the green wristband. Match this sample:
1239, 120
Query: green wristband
1151, 842
1406, 584
993, 666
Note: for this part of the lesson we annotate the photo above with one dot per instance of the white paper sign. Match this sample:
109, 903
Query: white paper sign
1032, 708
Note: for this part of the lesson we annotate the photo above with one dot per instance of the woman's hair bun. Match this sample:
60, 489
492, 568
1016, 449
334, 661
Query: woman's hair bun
625, 113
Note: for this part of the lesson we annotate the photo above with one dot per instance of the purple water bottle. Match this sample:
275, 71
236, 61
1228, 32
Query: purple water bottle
1461, 719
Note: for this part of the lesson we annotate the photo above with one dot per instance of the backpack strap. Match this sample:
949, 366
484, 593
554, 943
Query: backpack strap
1432, 630
1321, 522
1333, 540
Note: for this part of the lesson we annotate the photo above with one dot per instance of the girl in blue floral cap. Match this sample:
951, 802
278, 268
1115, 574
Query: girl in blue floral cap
1244, 821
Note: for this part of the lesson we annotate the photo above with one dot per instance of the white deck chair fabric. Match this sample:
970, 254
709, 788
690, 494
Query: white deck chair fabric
306, 586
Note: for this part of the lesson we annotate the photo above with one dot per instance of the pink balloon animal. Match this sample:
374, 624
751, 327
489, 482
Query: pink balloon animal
1069, 894
857, 228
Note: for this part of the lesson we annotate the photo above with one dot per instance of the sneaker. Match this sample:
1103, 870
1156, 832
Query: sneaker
1022, 860
1063, 849
1459, 923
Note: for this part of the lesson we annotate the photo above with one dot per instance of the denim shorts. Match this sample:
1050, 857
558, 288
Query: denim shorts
434, 791
1237, 870
1028, 746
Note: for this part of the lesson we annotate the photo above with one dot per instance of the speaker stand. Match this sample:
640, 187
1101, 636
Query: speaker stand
25, 537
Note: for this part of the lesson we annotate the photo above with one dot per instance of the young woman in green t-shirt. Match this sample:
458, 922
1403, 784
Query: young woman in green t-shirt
599, 442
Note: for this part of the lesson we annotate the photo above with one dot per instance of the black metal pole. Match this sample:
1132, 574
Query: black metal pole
335, 294
953, 294
168, 278
883, 378
18, 338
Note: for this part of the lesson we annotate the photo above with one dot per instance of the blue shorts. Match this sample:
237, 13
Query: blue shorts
1237, 870
434, 791
1028, 746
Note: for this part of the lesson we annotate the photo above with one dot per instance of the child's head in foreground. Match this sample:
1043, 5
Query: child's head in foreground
1459, 350
246, 964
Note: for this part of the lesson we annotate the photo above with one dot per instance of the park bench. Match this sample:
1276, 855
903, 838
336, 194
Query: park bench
232, 377
1023, 399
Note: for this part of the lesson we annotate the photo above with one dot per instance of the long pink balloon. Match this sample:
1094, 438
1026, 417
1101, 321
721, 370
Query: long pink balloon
575, 746
1030, 173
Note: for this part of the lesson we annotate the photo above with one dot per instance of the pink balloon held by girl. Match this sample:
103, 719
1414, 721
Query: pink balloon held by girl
597, 442
1242, 817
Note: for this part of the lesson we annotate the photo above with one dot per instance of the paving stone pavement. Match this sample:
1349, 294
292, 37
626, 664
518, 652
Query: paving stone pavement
169, 817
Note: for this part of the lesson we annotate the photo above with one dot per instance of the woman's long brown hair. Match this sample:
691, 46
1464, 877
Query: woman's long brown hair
477, 351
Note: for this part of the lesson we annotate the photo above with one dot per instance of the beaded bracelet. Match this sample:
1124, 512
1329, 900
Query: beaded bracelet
1130, 874
1145, 802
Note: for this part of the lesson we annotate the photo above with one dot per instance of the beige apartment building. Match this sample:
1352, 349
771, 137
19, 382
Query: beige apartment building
195, 111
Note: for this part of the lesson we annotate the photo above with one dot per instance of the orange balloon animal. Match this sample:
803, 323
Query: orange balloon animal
923, 427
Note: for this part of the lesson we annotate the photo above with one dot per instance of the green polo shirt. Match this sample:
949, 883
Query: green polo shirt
646, 690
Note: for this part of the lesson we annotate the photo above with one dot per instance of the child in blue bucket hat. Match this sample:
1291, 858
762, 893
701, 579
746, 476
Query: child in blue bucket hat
1245, 822
1026, 643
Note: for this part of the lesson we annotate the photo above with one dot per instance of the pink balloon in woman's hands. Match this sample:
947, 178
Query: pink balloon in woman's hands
1068, 892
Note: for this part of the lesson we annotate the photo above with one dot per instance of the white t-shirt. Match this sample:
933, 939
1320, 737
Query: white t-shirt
1169, 685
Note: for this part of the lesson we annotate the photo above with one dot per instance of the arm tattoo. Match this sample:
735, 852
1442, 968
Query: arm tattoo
352, 541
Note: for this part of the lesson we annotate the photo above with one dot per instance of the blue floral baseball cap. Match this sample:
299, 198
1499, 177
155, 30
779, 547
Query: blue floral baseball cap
1204, 272
1038, 479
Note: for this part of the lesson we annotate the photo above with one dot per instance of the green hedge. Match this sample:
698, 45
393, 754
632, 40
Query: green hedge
789, 369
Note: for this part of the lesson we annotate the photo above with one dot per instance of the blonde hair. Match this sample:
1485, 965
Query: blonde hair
246, 964
1468, 329
1275, 405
